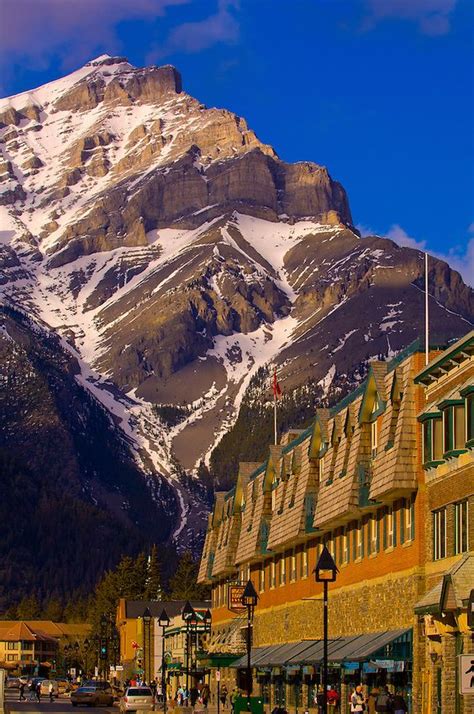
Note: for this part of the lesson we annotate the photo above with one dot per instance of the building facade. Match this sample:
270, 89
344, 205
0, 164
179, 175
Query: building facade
447, 422
36, 646
141, 652
355, 482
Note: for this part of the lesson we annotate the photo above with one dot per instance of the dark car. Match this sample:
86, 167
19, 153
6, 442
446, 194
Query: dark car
92, 696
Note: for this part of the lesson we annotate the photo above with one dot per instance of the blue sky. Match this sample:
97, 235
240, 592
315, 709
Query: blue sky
379, 91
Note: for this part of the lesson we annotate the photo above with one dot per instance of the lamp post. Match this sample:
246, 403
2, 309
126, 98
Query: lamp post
325, 572
146, 643
249, 599
163, 622
189, 617
85, 647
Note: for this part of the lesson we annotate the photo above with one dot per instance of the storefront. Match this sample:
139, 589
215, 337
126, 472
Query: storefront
290, 675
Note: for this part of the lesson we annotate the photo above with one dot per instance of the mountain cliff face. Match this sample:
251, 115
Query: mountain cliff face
175, 254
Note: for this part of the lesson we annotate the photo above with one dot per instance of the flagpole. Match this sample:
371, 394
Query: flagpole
275, 417
427, 348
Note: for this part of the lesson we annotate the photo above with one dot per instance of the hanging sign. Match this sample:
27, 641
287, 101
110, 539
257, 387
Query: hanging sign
234, 598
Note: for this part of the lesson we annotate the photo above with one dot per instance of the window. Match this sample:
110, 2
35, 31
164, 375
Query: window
272, 573
12, 645
12, 657
388, 528
304, 562
320, 468
262, 578
439, 534
373, 438
293, 565
470, 416
410, 518
282, 570
373, 534
432, 440
345, 546
461, 538
454, 424
358, 541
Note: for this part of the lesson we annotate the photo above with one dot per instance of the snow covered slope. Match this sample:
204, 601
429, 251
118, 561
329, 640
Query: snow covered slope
175, 254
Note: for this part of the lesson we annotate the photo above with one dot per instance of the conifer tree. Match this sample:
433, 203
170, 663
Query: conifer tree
183, 584
28, 608
53, 610
153, 589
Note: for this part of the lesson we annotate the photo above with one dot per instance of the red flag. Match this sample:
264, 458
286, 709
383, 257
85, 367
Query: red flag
276, 387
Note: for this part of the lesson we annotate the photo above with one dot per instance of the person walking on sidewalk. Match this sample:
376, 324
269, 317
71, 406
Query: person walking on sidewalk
38, 691
22, 691
51, 692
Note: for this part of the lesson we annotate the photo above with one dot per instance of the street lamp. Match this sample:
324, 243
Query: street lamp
146, 642
189, 618
85, 647
249, 600
325, 572
163, 622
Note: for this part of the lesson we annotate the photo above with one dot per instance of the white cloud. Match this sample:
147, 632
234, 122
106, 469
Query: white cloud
432, 16
459, 257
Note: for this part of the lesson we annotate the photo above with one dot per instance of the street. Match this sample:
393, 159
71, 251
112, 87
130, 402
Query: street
58, 706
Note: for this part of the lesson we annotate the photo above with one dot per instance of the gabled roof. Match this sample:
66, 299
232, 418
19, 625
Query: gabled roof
452, 591
135, 608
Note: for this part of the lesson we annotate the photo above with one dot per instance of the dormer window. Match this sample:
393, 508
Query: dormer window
373, 438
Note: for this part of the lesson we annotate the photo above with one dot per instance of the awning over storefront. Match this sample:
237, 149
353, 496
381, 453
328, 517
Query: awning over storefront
357, 648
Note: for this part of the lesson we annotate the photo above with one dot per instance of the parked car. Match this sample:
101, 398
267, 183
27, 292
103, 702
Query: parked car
64, 686
137, 698
45, 687
92, 697
12, 683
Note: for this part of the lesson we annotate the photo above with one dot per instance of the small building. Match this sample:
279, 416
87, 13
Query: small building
141, 652
34, 646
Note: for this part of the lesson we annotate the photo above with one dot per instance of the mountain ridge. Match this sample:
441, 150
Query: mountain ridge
176, 255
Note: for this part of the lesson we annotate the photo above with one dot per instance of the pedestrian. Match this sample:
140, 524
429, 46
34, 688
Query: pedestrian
399, 705
371, 699
31, 691
233, 697
180, 696
223, 696
38, 691
383, 703
205, 692
333, 699
51, 691
357, 699
319, 699
22, 691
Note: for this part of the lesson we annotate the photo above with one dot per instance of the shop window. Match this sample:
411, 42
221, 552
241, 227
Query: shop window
293, 565
461, 527
439, 534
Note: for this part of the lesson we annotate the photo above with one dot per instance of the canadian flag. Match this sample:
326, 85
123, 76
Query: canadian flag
135, 645
275, 386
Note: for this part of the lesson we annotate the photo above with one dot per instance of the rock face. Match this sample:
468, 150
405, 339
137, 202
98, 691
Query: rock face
178, 254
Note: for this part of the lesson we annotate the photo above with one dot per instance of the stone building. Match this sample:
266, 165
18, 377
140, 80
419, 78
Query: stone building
353, 481
447, 420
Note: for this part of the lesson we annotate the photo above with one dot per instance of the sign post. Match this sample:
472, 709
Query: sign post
466, 673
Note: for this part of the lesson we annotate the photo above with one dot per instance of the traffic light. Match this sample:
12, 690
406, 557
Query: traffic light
103, 648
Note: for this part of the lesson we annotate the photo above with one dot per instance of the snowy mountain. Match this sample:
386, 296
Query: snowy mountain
174, 253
